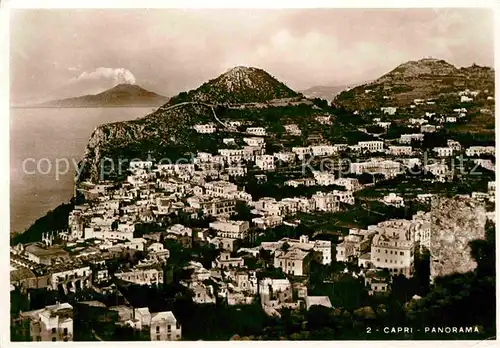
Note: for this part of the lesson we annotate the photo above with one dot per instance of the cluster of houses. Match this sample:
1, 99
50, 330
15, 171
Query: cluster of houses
105, 227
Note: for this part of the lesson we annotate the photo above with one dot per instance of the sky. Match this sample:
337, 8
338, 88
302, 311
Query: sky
53, 52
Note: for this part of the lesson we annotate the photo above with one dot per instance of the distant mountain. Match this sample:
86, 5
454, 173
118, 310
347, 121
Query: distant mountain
121, 95
237, 86
324, 92
423, 79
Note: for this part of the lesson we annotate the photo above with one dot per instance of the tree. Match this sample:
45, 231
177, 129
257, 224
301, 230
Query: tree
243, 212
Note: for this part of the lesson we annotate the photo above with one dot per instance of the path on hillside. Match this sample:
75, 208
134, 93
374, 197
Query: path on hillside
211, 106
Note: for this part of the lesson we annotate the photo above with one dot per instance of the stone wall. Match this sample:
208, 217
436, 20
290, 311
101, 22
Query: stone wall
454, 223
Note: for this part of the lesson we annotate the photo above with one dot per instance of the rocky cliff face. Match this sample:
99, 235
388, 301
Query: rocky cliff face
162, 130
454, 223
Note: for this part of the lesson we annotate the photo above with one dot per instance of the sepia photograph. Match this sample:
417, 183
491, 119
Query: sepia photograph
258, 174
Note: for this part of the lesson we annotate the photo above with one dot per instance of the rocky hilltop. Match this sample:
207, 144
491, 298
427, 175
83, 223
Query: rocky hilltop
121, 95
427, 78
237, 86
455, 222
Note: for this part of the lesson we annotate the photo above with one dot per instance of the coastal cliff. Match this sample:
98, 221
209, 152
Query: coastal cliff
167, 131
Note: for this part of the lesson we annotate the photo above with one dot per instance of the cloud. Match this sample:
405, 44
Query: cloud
118, 75
184, 48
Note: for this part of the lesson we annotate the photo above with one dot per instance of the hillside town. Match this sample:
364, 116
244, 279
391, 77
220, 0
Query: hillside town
246, 226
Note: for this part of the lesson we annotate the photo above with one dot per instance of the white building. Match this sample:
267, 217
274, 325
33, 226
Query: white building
265, 162
254, 141
480, 150
393, 249
443, 151
418, 121
264, 222
400, 150
389, 110
230, 229
344, 196
386, 167
408, 138
350, 184
138, 164
324, 178
51, 324
259, 131
292, 261
372, 146
428, 128
393, 199
300, 182
223, 189
455, 145
326, 202
293, 129
384, 125
323, 150
236, 171
285, 156
205, 128
232, 155
151, 276
302, 152
228, 141
439, 170
164, 327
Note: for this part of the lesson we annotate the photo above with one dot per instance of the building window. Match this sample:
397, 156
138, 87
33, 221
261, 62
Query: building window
53, 339
157, 337
53, 330
38, 338
169, 327
65, 331
157, 329
401, 253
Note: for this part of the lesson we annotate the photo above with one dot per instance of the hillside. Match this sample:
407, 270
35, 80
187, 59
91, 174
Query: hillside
122, 95
324, 92
427, 78
168, 133
237, 86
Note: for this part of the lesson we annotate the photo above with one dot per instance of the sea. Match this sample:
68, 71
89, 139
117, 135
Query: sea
45, 146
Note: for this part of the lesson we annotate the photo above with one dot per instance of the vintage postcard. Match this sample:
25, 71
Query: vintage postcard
187, 174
